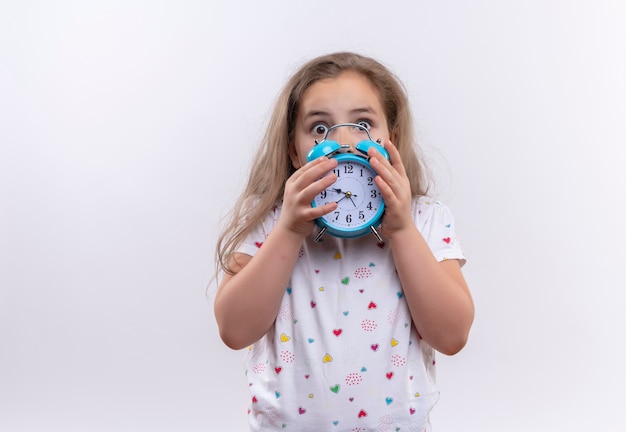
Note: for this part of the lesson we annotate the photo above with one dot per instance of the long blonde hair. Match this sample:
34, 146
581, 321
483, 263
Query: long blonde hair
272, 166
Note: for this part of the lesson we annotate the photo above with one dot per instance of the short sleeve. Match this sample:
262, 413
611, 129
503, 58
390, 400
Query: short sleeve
434, 220
253, 242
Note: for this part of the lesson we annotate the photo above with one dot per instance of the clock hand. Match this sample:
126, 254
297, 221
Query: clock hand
348, 195
335, 190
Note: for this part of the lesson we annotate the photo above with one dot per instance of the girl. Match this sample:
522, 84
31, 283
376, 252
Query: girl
340, 334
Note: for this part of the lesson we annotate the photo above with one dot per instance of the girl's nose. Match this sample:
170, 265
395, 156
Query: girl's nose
346, 136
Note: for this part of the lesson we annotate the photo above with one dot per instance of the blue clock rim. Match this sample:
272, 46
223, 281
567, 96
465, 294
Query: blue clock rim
358, 231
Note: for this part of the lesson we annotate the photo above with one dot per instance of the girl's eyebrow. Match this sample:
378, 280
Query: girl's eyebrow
363, 110
316, 113
320, 113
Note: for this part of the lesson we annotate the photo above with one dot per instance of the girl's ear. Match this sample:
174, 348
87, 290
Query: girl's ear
293, 155
393, 135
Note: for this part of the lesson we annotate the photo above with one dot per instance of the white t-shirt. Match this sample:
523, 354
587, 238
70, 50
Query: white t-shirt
343, 353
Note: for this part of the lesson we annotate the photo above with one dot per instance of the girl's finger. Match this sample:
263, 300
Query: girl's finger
394, 157
312, 171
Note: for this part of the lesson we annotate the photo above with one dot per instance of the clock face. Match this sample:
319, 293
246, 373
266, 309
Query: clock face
359, 201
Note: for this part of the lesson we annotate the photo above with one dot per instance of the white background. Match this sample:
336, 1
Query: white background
126, 130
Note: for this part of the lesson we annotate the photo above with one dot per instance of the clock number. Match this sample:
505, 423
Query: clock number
348, 218
323, 194
369, 206
370, 181
361, 214
337, 172
336, 216
348, 169
374, 193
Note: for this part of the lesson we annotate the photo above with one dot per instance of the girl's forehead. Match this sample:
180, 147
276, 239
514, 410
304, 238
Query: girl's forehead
349, 90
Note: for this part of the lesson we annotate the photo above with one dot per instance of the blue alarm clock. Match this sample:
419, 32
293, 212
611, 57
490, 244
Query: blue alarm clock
360, 204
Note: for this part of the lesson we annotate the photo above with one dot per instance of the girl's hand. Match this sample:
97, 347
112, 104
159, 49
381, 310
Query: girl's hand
396, 189
297, 215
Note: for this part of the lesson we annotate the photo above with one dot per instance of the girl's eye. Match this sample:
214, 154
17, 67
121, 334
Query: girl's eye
319, 129
364, 123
